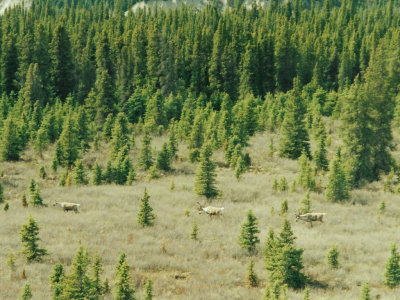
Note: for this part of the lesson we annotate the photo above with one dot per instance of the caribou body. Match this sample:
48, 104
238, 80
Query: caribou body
310, 217
67, 206
210, 210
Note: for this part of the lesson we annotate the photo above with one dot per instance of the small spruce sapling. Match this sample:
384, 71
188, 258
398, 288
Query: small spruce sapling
248, 238
146, 216
332, 257
251, 278
195, 232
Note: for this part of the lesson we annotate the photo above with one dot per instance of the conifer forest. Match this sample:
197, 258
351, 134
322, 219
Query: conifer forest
200, 149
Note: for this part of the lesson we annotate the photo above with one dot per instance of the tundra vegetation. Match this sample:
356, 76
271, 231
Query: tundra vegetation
284, 107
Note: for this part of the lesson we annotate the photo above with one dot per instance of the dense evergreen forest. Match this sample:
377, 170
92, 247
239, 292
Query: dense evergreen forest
234, 72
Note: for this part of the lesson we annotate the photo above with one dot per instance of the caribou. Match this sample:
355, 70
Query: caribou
67, 206
310, 217
210, 210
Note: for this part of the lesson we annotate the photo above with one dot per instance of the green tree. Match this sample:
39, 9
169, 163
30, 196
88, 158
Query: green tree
306, 174
240, 167
204, 184
337, 189
96, 271
57, 281
392, 271
123, 289
61, 62
148, 290
283, 260
79, 175
145, 216
164, 158
10, 146
305, 204
26, 293
320, 159
248, 238
78, 285
332, 257
119, 135
145, 156
97, 177
69, 142
294, 136
251, 278
365, 294
29, 238
36, 199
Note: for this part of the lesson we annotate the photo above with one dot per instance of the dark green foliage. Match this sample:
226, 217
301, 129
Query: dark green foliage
392, 271
204, 184
294, 136
306, 174
57, 281
119, 135
164, 158
240, 167
29, 238
251, 277
145, 156
97, 176
248, 238
36, 199
77, 284
282, 259
145, 216
6, 206
79, 173
26, 293
11, 145
332, 257
69, 143
337, 189
148, 290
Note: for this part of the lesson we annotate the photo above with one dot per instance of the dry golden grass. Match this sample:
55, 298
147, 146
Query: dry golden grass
215, 266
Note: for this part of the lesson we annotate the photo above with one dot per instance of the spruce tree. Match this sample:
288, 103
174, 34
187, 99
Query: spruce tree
97, 268
294, 136
306, 174
332, 257
11, 145
392, 271
123, 289
283, 260
119, 135
284, 208
305, 204
57, 281
365, 294
26, 293
97, 177
36, 199
29, 238
145, 216
164, 158
148, 290
79, 175
69, 142
240, 167
337, 189
78, 285
145, 156
204, 184
320, 159
251, 278
248, 238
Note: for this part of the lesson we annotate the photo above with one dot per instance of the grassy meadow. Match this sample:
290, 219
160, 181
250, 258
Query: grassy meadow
215, 266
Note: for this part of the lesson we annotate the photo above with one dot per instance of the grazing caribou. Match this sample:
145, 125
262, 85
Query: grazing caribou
67, 206
310, 217
210, 210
